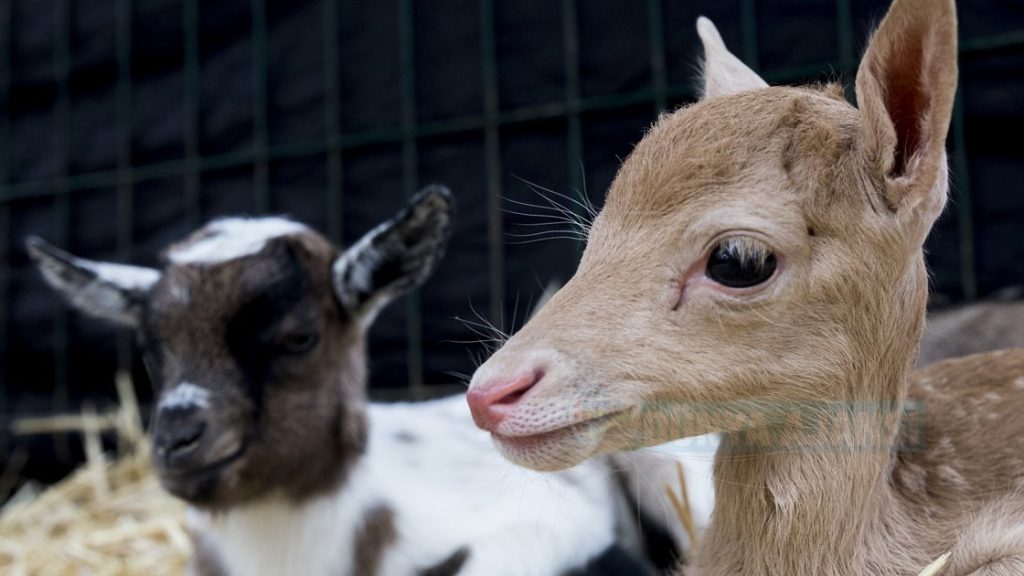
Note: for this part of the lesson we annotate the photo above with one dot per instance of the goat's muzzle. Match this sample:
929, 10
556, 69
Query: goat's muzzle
190, 450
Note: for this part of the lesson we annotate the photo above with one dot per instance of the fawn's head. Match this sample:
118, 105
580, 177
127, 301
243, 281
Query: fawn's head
761, 245
253, 334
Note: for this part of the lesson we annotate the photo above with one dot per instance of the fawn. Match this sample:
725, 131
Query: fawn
757, 271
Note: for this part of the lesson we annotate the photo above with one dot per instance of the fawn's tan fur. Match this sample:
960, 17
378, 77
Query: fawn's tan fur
845, 197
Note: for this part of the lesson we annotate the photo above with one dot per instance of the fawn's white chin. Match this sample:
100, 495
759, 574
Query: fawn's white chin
555, 449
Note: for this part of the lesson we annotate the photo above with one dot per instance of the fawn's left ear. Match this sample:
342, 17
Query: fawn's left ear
906, 85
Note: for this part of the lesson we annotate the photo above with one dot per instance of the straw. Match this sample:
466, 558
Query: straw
681, 505
108, 518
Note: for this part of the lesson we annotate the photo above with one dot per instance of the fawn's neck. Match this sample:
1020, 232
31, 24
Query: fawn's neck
803, 495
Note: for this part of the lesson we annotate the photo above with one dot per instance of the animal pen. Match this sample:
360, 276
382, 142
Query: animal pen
124, 124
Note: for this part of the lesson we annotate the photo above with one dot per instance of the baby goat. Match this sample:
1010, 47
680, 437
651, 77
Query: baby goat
254, 334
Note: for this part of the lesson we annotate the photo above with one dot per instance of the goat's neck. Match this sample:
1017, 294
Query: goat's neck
808, 502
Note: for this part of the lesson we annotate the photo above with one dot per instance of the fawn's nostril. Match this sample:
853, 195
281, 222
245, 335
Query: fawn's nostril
511, 398
512, 391
492, 401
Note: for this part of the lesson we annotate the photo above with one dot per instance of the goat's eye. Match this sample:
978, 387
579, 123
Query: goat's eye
300, 343
741, 262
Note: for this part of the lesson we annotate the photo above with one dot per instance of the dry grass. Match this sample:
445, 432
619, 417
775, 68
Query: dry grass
681, 506
109, 518
937, 567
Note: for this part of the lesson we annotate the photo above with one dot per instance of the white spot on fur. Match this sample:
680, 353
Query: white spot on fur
992, 396
231, 238
952, 475
1019, 383
180, 293
186, 395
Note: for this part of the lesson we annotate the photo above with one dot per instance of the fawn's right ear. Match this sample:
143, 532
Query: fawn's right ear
906, 85
394, 257
113, 292
724, 73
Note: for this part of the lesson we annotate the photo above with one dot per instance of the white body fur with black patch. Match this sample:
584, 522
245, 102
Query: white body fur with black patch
448, 489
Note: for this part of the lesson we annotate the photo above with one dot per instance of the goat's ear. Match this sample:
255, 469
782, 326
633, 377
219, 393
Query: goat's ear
724, 73
906, 85
396, 256
113, 292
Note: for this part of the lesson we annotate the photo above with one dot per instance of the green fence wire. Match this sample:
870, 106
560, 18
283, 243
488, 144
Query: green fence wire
333, 146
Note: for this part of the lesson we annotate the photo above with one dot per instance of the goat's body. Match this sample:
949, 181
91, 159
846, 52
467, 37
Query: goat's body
449, 494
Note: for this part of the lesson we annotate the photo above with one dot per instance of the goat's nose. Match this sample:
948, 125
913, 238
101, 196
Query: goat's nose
179, 431
494, 399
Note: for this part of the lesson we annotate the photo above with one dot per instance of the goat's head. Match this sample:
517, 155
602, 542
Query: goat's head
254, 334
762, 245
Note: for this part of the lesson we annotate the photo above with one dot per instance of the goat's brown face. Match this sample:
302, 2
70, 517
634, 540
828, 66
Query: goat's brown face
753, 246
254, 337
260, 374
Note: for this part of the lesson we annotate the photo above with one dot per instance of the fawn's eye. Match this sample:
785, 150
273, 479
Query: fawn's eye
300, 342
741, 262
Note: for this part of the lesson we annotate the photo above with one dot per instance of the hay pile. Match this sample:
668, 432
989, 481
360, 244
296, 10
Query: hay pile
109, 518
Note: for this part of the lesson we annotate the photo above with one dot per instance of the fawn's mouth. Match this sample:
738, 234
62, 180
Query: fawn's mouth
558, 448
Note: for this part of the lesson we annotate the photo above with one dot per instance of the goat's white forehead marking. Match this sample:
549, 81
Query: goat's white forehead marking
186, 395
230, 238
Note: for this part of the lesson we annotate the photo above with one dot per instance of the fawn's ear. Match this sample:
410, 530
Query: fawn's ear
394, 257
906, 85
724, 73
113, 292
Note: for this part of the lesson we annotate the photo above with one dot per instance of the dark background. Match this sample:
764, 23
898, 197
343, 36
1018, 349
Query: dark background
124, 124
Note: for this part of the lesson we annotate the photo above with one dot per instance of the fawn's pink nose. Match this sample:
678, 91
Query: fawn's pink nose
493, 400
